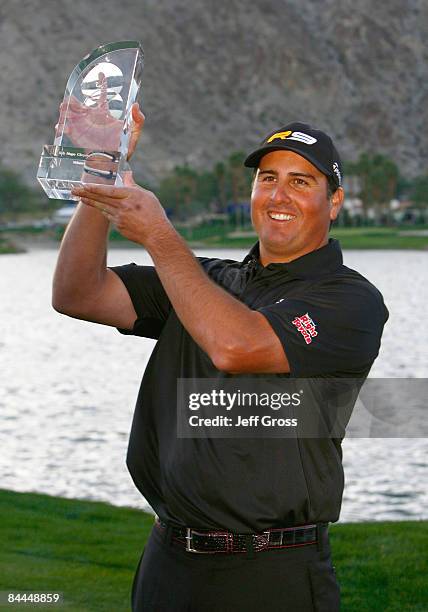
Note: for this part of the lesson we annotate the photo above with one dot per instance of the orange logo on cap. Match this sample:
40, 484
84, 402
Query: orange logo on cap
281, 135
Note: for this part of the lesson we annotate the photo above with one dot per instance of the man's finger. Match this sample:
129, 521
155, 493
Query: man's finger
74, 105
137, 116
101, 192
136, 127
102, 207
101, 201
128, 179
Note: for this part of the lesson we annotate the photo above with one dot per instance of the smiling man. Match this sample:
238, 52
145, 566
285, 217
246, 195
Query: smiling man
289, 208
243, 523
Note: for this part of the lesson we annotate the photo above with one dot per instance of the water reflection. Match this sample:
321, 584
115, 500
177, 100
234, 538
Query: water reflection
68, 390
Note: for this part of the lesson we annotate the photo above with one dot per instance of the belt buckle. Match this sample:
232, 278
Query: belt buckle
189, 542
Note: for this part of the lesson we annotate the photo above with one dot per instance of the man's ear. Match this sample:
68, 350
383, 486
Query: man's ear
336, 203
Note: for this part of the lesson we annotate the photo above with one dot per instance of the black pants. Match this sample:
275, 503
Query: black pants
169, 579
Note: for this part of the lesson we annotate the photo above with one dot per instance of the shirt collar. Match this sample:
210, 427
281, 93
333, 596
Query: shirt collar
320, 262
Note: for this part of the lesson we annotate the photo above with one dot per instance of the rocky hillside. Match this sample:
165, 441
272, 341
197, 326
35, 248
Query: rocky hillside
218, 75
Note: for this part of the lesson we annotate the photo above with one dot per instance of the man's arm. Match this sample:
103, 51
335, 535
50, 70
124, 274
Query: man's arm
236, 338
83, 287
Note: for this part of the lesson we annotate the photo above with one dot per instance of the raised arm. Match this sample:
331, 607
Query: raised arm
236, 338
83, 286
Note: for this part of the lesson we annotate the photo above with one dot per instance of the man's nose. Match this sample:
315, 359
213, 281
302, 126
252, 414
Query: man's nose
281, 194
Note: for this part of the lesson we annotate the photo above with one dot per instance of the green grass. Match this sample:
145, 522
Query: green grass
219, 236
89, 552
379, 238
382, 566
349, 237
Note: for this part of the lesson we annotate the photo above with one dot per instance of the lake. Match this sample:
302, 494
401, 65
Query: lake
68, 390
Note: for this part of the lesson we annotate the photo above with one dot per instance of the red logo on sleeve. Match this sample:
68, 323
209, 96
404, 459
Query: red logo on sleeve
306, 327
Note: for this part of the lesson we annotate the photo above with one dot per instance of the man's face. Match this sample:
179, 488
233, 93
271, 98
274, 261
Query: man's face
290, 209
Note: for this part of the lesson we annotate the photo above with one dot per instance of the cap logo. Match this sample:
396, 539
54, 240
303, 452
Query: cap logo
299, 136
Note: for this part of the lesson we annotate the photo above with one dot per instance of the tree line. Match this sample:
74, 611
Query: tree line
225, 189
379, 182
186, 191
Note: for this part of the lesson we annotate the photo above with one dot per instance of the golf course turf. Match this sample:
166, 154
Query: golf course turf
88, 551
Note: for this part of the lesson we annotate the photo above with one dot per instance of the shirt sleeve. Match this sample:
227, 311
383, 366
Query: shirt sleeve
149, 298
329, 332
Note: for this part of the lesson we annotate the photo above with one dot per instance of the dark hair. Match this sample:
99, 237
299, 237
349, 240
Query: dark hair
331, 190
331, 187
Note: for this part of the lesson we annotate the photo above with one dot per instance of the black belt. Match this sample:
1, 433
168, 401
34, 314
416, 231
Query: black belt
206, 541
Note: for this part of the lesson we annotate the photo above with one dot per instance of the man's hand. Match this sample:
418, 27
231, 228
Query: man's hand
136, 212
95, 126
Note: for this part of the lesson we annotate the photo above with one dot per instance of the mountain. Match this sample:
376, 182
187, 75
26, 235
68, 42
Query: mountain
219, 75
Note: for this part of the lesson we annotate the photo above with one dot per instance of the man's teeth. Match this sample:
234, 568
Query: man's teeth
281, 216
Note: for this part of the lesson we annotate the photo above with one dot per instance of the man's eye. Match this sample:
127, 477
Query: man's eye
268, 178
300, 181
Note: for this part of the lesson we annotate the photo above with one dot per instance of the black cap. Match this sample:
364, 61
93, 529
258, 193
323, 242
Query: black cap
312, 144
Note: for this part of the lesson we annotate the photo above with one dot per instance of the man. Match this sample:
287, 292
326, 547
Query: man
243, 523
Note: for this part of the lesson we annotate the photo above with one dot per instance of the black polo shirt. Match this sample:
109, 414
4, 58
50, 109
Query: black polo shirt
329, 319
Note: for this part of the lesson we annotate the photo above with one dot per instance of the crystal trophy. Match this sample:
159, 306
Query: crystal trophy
93, 131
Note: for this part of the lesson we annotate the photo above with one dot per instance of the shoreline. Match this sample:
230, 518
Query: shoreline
149, 513
349, 238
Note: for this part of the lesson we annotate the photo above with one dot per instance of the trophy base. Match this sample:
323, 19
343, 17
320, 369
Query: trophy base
62, 168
